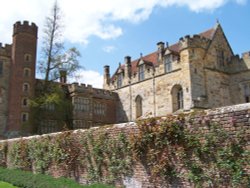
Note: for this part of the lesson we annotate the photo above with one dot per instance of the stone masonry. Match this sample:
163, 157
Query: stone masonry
199, 71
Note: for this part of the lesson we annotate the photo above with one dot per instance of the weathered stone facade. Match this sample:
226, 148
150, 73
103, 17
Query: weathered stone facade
199, 71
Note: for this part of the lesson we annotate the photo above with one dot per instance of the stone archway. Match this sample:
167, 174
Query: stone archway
177, 97
138, 103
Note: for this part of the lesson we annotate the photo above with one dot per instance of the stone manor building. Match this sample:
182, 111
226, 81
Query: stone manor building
199, 71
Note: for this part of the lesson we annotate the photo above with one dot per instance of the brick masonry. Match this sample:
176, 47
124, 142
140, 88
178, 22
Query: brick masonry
231, 118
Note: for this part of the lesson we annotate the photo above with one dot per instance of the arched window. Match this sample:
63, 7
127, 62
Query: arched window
247, 92
138, 103
25, 102
26, 72
27, 57
26, 87
177, 98
25, 117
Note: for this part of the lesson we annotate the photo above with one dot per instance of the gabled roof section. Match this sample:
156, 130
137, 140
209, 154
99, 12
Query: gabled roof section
152, 59
212, 34
209, 33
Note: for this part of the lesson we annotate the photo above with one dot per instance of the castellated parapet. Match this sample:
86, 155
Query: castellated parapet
246, 55
76, 87
194, 41
88, 89
5, 50
25, 27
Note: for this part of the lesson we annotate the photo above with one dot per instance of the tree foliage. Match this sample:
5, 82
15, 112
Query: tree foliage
54, 56
52, 104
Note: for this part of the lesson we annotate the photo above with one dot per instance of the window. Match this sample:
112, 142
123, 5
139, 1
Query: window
180, 98
177, 98
81, 124
26, 87
48, 126
168, 64
26, 72
141, 72
25, 102
247, 92
99, 108
119, 80
27, 57
49, 106
138, 103
81, 104
25, 117
1, 68
220, 58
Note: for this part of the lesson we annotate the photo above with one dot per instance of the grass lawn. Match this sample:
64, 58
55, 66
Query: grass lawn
6, 185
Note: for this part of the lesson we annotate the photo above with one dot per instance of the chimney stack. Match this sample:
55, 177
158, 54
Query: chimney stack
161, 48
106, 76
127, 62
63, 76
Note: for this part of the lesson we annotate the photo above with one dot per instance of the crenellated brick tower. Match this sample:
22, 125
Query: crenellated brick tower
22, 77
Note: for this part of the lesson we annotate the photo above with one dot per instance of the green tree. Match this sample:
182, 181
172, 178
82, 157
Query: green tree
54, 56
52, 108
52, 105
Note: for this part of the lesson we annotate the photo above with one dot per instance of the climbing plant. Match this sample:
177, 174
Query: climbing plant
172, 149
210, 158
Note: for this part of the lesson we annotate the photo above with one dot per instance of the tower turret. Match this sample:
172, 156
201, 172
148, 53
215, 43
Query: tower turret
22, 76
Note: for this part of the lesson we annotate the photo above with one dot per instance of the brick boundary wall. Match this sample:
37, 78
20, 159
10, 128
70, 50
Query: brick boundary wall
231, 118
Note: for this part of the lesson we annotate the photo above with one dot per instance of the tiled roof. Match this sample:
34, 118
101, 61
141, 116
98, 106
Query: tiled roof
208, 34
175, 48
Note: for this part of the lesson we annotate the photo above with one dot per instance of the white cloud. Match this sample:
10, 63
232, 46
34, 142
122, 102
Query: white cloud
89, 77
87, 18
108, 49
242, 2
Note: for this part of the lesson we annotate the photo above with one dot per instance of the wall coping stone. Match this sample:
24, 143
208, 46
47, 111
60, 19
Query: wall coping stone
215, 111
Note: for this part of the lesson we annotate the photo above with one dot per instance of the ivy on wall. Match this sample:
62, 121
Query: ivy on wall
173, 150
205, 156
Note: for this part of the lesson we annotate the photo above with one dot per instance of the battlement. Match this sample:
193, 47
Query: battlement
6, 49
246, 55
188, 38
25, 27
5, 46
83, 88
193, 41
77, 87
103, 92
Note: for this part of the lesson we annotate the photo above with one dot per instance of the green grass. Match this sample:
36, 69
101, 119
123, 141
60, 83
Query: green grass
28, 180
6, 185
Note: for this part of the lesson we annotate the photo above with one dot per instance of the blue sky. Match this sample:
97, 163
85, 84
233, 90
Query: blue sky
105, 31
